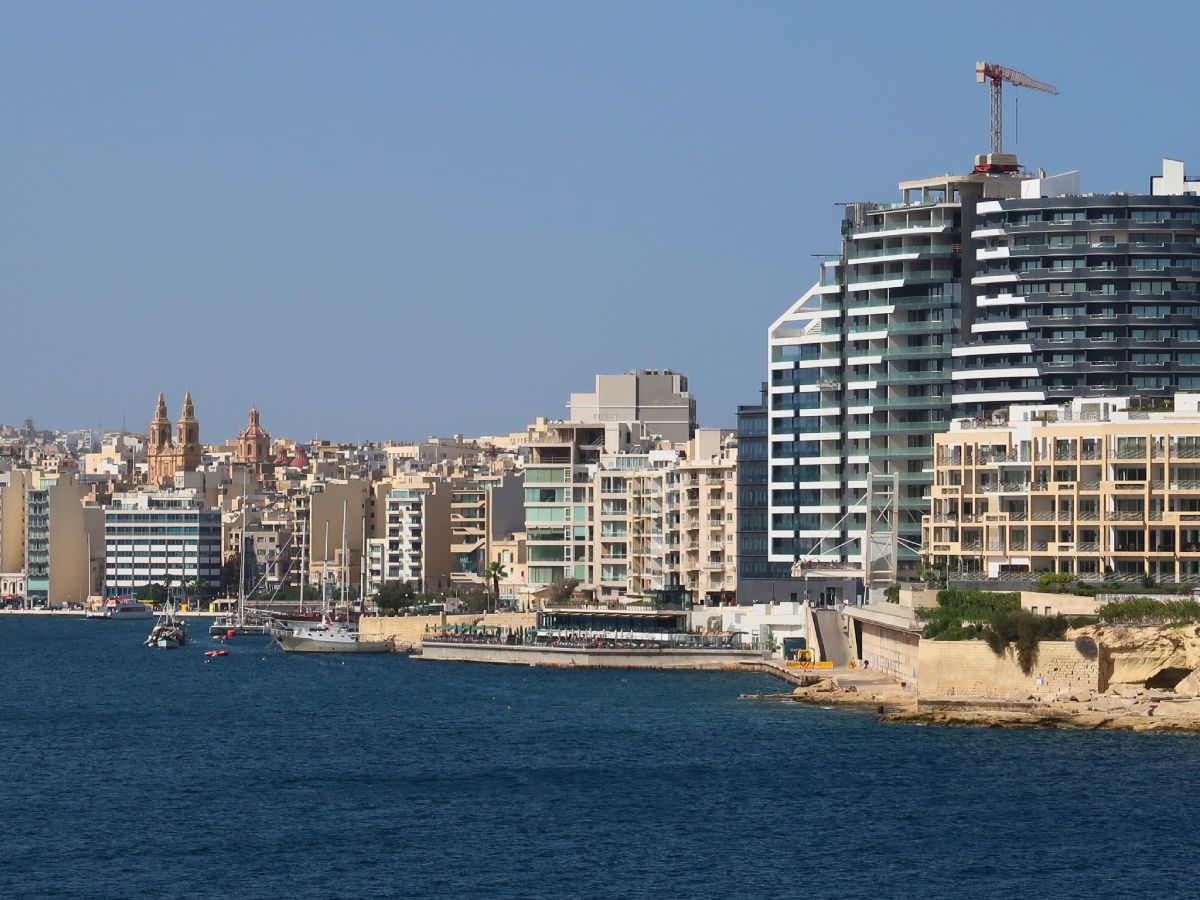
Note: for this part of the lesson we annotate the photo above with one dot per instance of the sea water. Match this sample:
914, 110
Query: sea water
137, 772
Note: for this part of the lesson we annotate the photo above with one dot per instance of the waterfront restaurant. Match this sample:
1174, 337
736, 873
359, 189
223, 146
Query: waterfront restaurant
648, 627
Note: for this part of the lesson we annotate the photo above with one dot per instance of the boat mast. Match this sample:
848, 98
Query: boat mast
304, 561
362, 571
241, 614
325, 573
345, 567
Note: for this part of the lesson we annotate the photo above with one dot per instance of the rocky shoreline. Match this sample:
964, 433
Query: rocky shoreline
1122, 708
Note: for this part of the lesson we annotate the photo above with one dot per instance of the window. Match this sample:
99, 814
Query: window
1068, 263
1151, 381
1078, 215
1065, 240
1150, 311
1068, 287
1150, 287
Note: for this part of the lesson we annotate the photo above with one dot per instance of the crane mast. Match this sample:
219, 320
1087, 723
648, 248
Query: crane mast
997, 160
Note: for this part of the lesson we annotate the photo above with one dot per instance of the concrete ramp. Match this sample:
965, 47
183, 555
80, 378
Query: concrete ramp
831, 642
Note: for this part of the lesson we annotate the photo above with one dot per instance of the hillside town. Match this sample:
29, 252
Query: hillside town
624, 500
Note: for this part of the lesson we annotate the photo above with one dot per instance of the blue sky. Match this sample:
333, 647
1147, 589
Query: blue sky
391, 220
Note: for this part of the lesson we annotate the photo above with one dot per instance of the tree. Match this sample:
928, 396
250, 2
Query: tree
559, 592
152, 593
495, 571
477, 600
395, 595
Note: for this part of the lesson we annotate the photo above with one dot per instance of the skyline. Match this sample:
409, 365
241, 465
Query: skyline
448, 223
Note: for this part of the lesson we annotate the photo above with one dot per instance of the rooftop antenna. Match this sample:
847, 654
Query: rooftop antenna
995, 75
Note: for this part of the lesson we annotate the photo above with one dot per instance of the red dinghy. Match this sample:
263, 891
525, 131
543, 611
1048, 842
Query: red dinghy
216, 652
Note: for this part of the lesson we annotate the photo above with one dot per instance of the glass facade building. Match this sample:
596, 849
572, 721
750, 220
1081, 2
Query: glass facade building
971, 293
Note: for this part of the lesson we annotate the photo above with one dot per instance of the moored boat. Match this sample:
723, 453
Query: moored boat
120, 608
328, 637
169, 632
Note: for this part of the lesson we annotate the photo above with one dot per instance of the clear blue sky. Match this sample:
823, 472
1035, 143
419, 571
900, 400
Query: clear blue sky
391, 220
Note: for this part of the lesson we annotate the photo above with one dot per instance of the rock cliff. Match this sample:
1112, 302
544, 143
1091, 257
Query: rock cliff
1158, 656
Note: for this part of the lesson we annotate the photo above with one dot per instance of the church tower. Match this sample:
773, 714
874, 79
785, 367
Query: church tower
254, 444
160, 453
187, 437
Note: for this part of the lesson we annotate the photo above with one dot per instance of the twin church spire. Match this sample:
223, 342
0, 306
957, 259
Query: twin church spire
166, 457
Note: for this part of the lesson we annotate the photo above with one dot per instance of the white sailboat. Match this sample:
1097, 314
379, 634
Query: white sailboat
329, 636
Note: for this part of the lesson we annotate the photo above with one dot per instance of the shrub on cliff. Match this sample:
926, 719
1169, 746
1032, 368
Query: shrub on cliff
1140, 611
1025, 630
971, 601
960, 613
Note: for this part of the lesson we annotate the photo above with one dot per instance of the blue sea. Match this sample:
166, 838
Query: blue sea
132, 772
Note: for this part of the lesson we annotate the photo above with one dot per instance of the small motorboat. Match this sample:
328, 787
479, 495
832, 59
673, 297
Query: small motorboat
216, 652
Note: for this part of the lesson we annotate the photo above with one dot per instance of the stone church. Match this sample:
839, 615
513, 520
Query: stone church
166, 457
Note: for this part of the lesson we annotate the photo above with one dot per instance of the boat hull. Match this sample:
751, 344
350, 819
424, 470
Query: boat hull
298, 644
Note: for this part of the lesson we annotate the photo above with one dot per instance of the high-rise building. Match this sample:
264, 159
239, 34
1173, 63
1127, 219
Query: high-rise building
759, 580
972, 292
152, 537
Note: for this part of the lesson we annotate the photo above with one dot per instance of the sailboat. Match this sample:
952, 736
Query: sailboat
236, 623
328, 636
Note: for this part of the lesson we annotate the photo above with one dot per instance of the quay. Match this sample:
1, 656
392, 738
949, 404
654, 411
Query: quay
592, 638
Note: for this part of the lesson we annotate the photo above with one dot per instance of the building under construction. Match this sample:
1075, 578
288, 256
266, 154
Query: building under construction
970, 293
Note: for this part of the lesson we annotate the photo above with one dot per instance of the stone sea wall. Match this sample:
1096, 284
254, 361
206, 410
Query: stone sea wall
563, 657
952, 668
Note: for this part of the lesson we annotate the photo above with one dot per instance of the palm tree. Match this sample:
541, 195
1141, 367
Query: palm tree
495, 571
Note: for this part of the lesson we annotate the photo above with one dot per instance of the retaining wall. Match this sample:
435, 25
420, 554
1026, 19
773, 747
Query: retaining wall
970, 667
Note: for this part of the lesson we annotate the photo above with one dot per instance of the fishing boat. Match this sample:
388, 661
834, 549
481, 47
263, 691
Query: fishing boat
169, 632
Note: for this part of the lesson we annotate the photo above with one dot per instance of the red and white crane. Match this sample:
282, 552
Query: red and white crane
996, 76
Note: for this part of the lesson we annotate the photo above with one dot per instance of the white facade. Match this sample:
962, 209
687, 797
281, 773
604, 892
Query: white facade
152, 537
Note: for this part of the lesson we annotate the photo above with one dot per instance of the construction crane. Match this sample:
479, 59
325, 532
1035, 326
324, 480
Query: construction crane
997, 160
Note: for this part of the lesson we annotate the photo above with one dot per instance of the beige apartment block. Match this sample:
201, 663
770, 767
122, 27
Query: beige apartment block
412, 533
707, 479
322, 505
13, 485
1092, 489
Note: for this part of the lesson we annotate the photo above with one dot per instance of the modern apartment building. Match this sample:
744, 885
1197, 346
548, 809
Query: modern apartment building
1092, 488
560, 515
484, 509
1084, 295
415, 544
631, 524
970, 293
653, 403
152, 536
